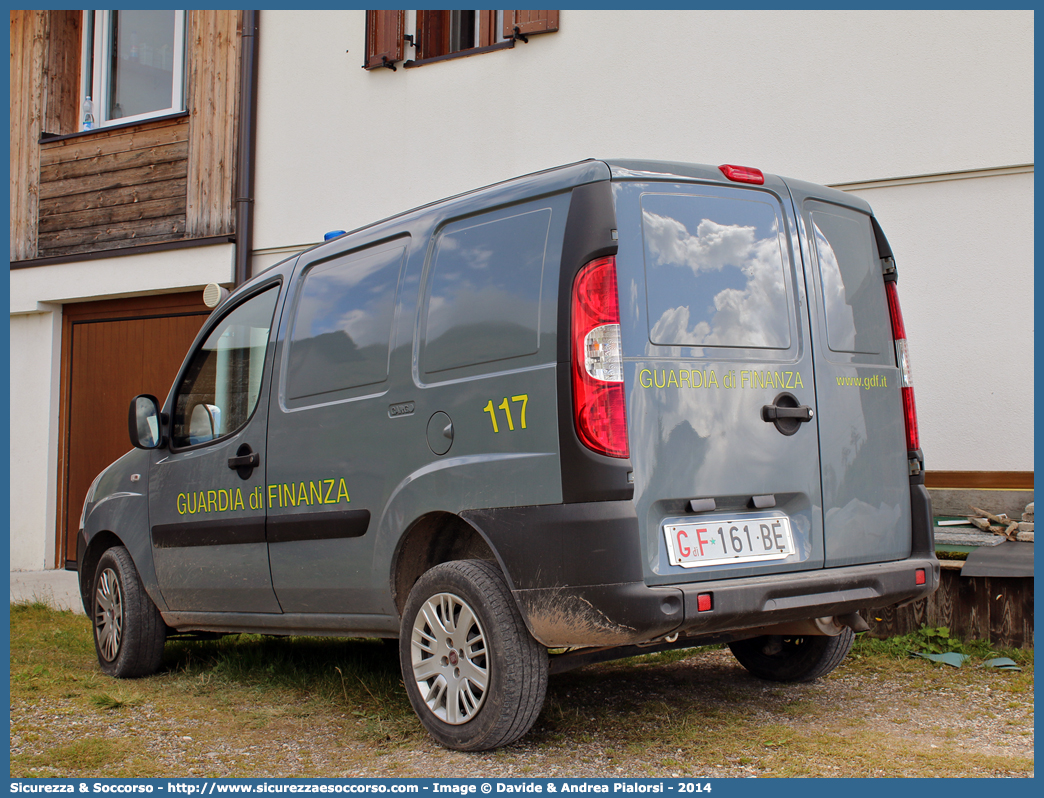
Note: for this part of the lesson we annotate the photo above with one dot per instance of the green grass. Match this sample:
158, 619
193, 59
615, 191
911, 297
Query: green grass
938, 640
247, 705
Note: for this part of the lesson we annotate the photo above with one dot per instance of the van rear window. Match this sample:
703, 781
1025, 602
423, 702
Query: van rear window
852, 283
341, 331
714, 272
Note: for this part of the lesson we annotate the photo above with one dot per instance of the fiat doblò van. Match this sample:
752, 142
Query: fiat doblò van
608, 408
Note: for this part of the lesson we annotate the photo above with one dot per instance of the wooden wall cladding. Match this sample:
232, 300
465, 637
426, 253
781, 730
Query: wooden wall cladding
113, 189
106, 189
994, 608
213, 100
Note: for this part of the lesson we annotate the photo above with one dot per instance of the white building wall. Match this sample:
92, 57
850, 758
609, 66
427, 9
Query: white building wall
126, 276
35, 356
831, 97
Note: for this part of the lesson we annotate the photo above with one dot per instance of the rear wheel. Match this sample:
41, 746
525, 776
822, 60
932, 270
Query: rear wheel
128, 630
474, 674
792, 659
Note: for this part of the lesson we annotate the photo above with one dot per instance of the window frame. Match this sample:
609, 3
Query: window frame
349, 393
204, 335
96, 77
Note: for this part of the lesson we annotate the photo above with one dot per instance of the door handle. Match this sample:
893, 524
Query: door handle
772, 412
786, 413
245, 461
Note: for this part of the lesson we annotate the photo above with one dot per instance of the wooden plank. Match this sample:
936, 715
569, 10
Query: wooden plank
115, 214
61, 100
973, 596
995, 480
916, 615
92, 165
128, 195
19, 234
137, 241
170, 227
883, 621
120, 179
214, 88
105, 142
942, 608
28, 39
1010, 605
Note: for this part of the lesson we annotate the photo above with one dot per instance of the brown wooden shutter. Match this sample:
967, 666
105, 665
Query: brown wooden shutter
433, 33
384, 31
487, 25
530, 22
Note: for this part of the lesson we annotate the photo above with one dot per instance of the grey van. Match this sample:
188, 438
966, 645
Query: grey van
608, 408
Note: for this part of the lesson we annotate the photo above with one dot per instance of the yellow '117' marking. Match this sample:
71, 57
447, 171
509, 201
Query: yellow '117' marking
523, 398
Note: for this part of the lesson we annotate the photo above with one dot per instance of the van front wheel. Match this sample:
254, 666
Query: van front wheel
792, 659
474, 674
128, 630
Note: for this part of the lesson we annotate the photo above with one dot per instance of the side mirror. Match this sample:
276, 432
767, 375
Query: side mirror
144, 422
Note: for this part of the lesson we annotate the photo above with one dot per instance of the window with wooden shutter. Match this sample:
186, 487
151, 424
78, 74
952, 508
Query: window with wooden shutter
443, 34
384, 42
529, 22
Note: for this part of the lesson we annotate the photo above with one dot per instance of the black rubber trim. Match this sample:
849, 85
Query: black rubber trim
217, 532
923, 521
883, 248
81, 550
592, 543
586, 476
318, 526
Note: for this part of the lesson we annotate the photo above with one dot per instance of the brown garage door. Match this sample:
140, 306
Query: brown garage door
111, 352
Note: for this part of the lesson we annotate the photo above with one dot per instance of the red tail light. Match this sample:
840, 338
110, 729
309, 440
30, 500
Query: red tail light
902, 359
598, 389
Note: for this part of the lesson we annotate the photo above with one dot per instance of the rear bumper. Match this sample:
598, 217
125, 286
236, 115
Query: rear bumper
575, 573
628, 613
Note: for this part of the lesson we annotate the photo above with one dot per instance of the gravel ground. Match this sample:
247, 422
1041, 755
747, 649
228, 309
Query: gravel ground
935, 723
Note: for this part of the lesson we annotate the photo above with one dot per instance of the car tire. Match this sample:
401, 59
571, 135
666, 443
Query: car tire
128, 630
792, 659
475, 676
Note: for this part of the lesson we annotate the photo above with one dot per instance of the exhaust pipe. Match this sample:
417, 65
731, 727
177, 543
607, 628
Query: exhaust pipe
831, 626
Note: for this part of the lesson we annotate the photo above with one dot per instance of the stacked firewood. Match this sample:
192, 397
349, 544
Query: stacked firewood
1002, 524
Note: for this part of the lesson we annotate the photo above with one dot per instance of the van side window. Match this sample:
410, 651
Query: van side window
853, 296
484, 303
714, 272
222, 383
340, 335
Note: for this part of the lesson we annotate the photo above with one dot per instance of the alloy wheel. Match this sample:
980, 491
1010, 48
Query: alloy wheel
108, 614
448, 654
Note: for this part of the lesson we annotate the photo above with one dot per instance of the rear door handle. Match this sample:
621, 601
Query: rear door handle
786, 413
772, 412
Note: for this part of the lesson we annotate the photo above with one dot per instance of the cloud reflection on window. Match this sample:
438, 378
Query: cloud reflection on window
722, 285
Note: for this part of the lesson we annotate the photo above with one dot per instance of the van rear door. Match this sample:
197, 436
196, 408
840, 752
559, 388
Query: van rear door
721, 399
866, 485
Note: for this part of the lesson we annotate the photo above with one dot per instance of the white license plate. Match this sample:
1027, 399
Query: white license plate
720, 542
